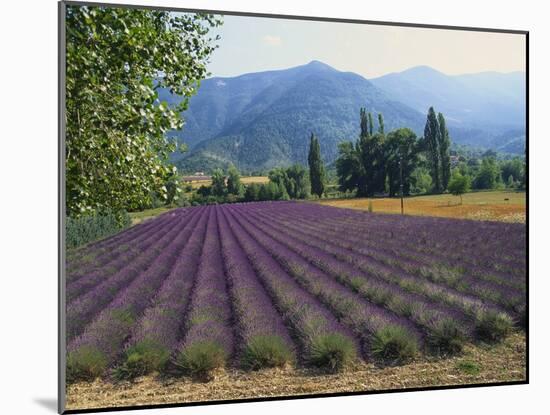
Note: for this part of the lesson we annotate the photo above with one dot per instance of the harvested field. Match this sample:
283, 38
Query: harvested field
198, 181
495, 206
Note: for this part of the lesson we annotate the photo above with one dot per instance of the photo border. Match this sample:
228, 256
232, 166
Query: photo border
61, 399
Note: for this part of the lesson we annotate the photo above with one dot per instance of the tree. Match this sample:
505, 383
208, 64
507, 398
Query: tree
459, 185
488, 174
316, 168
372, 174
421, 181
512, 168
252, 192
173, 189
293, 179
364, 124
431, 141
361, 167
298, 178
116, 147
272, 191
234, 185
266, 192
279, 176
218, 187
371, 124
380, 124
348, 167
444, 155
401, 145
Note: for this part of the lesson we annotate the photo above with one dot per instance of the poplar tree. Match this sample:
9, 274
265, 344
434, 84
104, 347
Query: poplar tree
316, 168
365, 123
371, 124
432, 135
444, 156
361, 150
380, 124
117, 151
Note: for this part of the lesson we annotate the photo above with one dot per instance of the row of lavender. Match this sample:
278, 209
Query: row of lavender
269, 284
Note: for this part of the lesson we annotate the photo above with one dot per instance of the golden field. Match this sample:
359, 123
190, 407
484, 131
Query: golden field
244, 180
505, 206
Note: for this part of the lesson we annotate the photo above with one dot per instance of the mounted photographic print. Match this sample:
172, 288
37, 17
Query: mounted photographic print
261, 207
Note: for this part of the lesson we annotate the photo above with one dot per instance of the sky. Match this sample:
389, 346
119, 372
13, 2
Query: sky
253, 44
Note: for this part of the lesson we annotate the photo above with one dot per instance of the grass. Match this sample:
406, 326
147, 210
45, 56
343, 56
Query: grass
138, 217
506, 206
468, 367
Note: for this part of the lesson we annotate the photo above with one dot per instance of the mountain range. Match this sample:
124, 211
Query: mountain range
262, 120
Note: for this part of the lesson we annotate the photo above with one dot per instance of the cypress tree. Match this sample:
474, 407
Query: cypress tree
444, 156
431, 141
364, 123
316, 168
360, 149
371, 124
380, 124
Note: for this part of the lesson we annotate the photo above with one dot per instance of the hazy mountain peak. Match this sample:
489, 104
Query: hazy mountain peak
420, 71
483, 100
318, 64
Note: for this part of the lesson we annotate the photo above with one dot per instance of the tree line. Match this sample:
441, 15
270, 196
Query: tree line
386, 164
376, 164
380, 163
284, 183
226, 187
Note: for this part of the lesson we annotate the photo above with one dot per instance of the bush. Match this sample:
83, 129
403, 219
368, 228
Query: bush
85, 363
266, 351
332, 352
492, 326
142, 358
84, 229
446, 337
393, 343
201, 358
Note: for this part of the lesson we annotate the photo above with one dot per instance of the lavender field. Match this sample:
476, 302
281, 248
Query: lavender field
269, 284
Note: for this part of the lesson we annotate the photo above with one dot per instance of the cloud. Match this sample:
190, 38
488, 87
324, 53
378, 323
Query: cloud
272, 40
